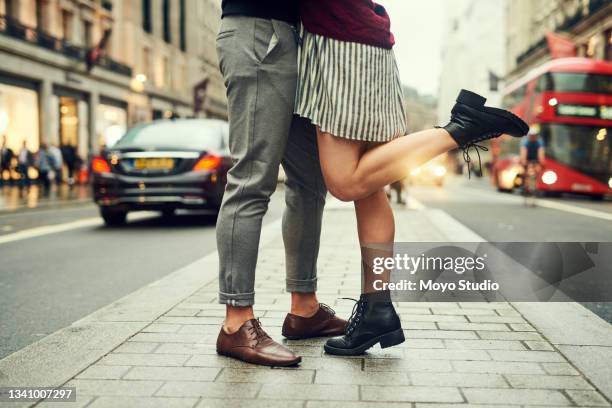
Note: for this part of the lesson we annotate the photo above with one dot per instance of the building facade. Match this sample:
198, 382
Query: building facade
158, 59
588, 23
474, 51
420, 110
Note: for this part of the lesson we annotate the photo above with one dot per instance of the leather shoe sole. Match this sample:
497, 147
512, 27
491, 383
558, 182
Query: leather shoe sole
386, 340
288, 363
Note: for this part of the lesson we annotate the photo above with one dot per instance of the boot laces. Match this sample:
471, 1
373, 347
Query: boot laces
258, 332
356, 315
468, 159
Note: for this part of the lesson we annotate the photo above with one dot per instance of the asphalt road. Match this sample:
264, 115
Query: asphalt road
503, 217
49, 281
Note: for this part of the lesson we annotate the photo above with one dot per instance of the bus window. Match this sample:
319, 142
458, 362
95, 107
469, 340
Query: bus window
515, 97
587, 149
543, 83
575, 82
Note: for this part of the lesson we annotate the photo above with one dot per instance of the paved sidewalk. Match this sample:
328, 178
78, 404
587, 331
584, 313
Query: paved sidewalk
455, 354
13, 198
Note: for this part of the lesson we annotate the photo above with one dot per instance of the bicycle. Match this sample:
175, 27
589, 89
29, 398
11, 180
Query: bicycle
530, 183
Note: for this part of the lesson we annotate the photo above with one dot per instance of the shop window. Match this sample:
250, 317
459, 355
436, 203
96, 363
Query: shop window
111, 124
19, 118
69, 121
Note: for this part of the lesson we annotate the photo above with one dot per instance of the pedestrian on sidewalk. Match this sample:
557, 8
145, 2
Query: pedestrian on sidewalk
44, 165
257, 49
69, 157
349, 89
24, 161
58, 163
6, 157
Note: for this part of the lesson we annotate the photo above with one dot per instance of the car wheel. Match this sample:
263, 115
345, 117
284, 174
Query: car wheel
113, 217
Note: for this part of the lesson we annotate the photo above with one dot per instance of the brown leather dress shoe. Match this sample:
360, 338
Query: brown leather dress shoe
252, 344
324, 323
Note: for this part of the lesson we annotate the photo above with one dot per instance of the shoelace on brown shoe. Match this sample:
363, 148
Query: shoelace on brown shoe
327, 308
258, 331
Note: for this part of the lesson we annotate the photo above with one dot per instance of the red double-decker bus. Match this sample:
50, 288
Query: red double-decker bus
569, 102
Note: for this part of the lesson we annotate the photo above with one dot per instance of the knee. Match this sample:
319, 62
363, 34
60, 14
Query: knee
345, 190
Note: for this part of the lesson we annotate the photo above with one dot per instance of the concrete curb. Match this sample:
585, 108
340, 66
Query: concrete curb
57, 358
580, 335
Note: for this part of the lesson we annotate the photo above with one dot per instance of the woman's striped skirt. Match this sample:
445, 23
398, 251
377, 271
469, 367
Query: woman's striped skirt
350, 90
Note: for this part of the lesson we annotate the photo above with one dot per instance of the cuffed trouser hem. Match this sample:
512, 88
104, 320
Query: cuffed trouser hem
237, 299
302, 286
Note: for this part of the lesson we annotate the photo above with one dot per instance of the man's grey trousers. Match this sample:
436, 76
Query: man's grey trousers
258, 60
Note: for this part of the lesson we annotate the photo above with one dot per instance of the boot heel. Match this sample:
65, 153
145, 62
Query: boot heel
392, 339
471, 99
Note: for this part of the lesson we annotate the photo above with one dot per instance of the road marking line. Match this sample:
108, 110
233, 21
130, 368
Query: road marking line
574, 209
554, 205
53, 229
414, 204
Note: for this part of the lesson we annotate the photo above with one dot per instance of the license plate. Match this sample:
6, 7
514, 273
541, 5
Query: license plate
159, 163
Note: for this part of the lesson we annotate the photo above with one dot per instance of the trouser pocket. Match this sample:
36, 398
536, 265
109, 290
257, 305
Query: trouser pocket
265, 39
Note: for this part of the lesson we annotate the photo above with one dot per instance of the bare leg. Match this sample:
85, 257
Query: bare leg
304, 304
351, 176
235, 316
376, 229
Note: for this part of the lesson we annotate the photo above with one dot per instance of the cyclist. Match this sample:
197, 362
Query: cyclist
532, 156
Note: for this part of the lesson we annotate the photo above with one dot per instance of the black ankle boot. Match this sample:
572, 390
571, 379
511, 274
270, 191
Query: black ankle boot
472, 122
372, 321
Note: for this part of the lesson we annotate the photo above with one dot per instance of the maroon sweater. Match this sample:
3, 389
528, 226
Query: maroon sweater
360, 21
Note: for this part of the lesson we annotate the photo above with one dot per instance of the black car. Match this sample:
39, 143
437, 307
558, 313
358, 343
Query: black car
162, 166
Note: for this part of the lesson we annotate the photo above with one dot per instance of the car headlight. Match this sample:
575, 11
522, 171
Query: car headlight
440, 171
508, 177
610, 182
549, 177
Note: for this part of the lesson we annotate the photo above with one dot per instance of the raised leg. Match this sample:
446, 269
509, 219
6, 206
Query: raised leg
350, 175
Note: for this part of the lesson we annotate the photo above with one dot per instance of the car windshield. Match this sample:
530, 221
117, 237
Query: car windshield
576, 82
193, 134
588, 149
